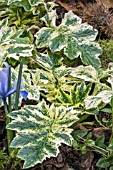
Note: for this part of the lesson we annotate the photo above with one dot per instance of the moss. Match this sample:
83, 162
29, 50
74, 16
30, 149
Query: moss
107, 55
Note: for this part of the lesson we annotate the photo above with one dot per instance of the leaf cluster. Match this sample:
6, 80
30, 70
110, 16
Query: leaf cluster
65, 96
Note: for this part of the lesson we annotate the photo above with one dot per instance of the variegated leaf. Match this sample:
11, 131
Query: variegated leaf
43, 34
40, 131
52, 75
90, 74
95, 101
35, 6
48, 61
24, 14
21, 19
74, 38
89, 54
50, 19
92, 102
26, 3
87, 73
31, 86
102, 97
50, 82
71, 19
3, 7
14, 44
75, 97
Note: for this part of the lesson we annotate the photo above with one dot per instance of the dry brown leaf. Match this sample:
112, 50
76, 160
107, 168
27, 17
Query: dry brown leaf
86, 160
59, 158
106, 3
66, 7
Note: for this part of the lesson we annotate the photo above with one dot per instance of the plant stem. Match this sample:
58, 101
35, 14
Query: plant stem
96, 148
18, 87
9, 132
84, 117
112, 118
98, 121
87, 123
9, 87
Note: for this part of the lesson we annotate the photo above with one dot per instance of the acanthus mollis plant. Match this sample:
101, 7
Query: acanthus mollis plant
51, 76
99, 101
16, 45
57, 85
18, 21
97, 77
24, 14
72, 37
40, 130
104, 96
75, 97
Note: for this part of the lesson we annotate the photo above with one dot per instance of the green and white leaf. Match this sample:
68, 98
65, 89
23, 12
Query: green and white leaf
31, 87
75, 97
14, 44
92, 102
89, 54
90, 74
21, 19
24, 14
37, 7
51, 82
26, 3
102, 97
45, 35
52, 76
86, 73
71, 19
50, 19
40, 131
75, 38
48, 61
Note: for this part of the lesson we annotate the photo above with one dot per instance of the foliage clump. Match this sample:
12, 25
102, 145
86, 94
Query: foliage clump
65, 94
